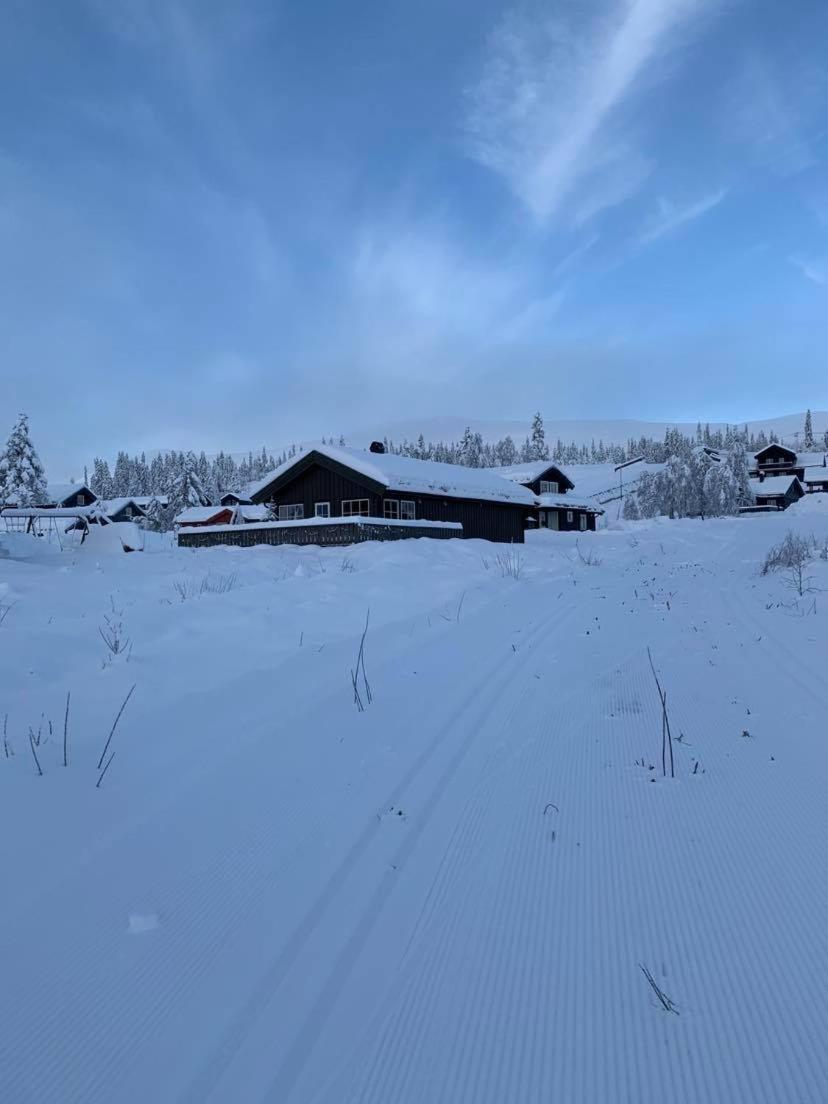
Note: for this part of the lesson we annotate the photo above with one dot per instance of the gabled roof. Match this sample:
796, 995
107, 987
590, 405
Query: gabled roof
531, 470
771, 447
774, 485
386, 471
59, 492
193, 514
115, 505
816, 474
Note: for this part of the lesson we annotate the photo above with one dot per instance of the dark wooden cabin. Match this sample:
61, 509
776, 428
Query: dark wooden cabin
328, 482
234, 498
773, 460
777, 492
68, 496
556, 509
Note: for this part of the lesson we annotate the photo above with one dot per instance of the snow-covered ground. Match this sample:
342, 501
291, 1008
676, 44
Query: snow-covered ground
451, 895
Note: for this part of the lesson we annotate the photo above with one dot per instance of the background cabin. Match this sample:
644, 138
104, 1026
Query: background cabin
67, 496
775, 460
555, 508
777, 492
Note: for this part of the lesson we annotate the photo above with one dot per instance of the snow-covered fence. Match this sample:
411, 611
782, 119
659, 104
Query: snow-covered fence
327, 531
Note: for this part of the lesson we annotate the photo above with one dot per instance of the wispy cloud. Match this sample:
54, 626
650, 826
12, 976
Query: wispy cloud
672, 216
777, 113
815, 271
539, 114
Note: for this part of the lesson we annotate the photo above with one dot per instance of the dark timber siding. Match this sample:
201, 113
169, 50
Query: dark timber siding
565, 526
248, 535
495, 521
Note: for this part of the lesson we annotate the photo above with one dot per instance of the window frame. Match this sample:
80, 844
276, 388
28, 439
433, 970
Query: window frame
582, 522
550, 486
391, 509
570, 516
299, 515
408, 503
355, 513
316, 507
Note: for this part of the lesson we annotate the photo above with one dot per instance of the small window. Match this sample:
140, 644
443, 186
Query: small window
355, 507
569, 515
291, 513
81, 500
128, 512
408, 509
322, 509
582, 522
548, 486
390, 508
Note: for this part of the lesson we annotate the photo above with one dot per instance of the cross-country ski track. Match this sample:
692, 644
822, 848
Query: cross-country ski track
453, 896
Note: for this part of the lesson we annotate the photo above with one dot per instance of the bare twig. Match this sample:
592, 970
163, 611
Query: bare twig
664, 1000
103, 772
66, 731
34, 752
114, 726
666, 734
6, 746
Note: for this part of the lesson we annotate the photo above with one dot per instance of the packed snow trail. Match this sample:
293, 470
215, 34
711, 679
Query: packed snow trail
449, 897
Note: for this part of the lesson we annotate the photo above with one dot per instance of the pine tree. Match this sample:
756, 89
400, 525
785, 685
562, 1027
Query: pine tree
539, 448
22, 478
631, 511
808, 443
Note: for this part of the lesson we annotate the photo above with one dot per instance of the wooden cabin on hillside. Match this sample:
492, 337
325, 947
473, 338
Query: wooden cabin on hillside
556, 508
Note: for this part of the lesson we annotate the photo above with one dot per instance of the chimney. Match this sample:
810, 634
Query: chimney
377, 446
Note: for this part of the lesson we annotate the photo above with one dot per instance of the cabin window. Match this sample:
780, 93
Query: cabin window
355, 507
408, 509
548, 486
582, 522
322, 509
81, 500
128, 512
390, 508
292, 513
569, 515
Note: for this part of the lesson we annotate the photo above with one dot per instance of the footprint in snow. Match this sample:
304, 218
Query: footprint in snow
139, 924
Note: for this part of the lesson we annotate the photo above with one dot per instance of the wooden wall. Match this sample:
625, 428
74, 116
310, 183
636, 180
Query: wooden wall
495, 521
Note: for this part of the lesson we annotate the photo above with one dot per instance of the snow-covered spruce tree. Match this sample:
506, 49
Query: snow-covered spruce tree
539, 447
101, 479
631, 511
737, 464
187, 490
808, 441
22, 478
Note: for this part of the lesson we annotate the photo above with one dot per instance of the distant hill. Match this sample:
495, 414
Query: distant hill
581, 431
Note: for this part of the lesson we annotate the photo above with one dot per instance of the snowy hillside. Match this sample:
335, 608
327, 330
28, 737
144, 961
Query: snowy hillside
483, 887
582, 432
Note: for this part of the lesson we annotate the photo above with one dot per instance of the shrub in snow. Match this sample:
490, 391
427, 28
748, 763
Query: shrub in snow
22, 478
792, 552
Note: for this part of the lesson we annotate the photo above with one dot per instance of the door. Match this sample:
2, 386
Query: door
552, 520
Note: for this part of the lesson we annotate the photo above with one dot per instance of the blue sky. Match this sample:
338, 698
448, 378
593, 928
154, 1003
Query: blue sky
223, 224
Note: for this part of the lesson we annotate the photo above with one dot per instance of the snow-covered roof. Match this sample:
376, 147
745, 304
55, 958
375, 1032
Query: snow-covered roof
59, 492
811, 459
529, 471
194, 514
563, 502
145, 500
406, 475
253, 513
816, 473
773, 445
773, 485
114, 505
